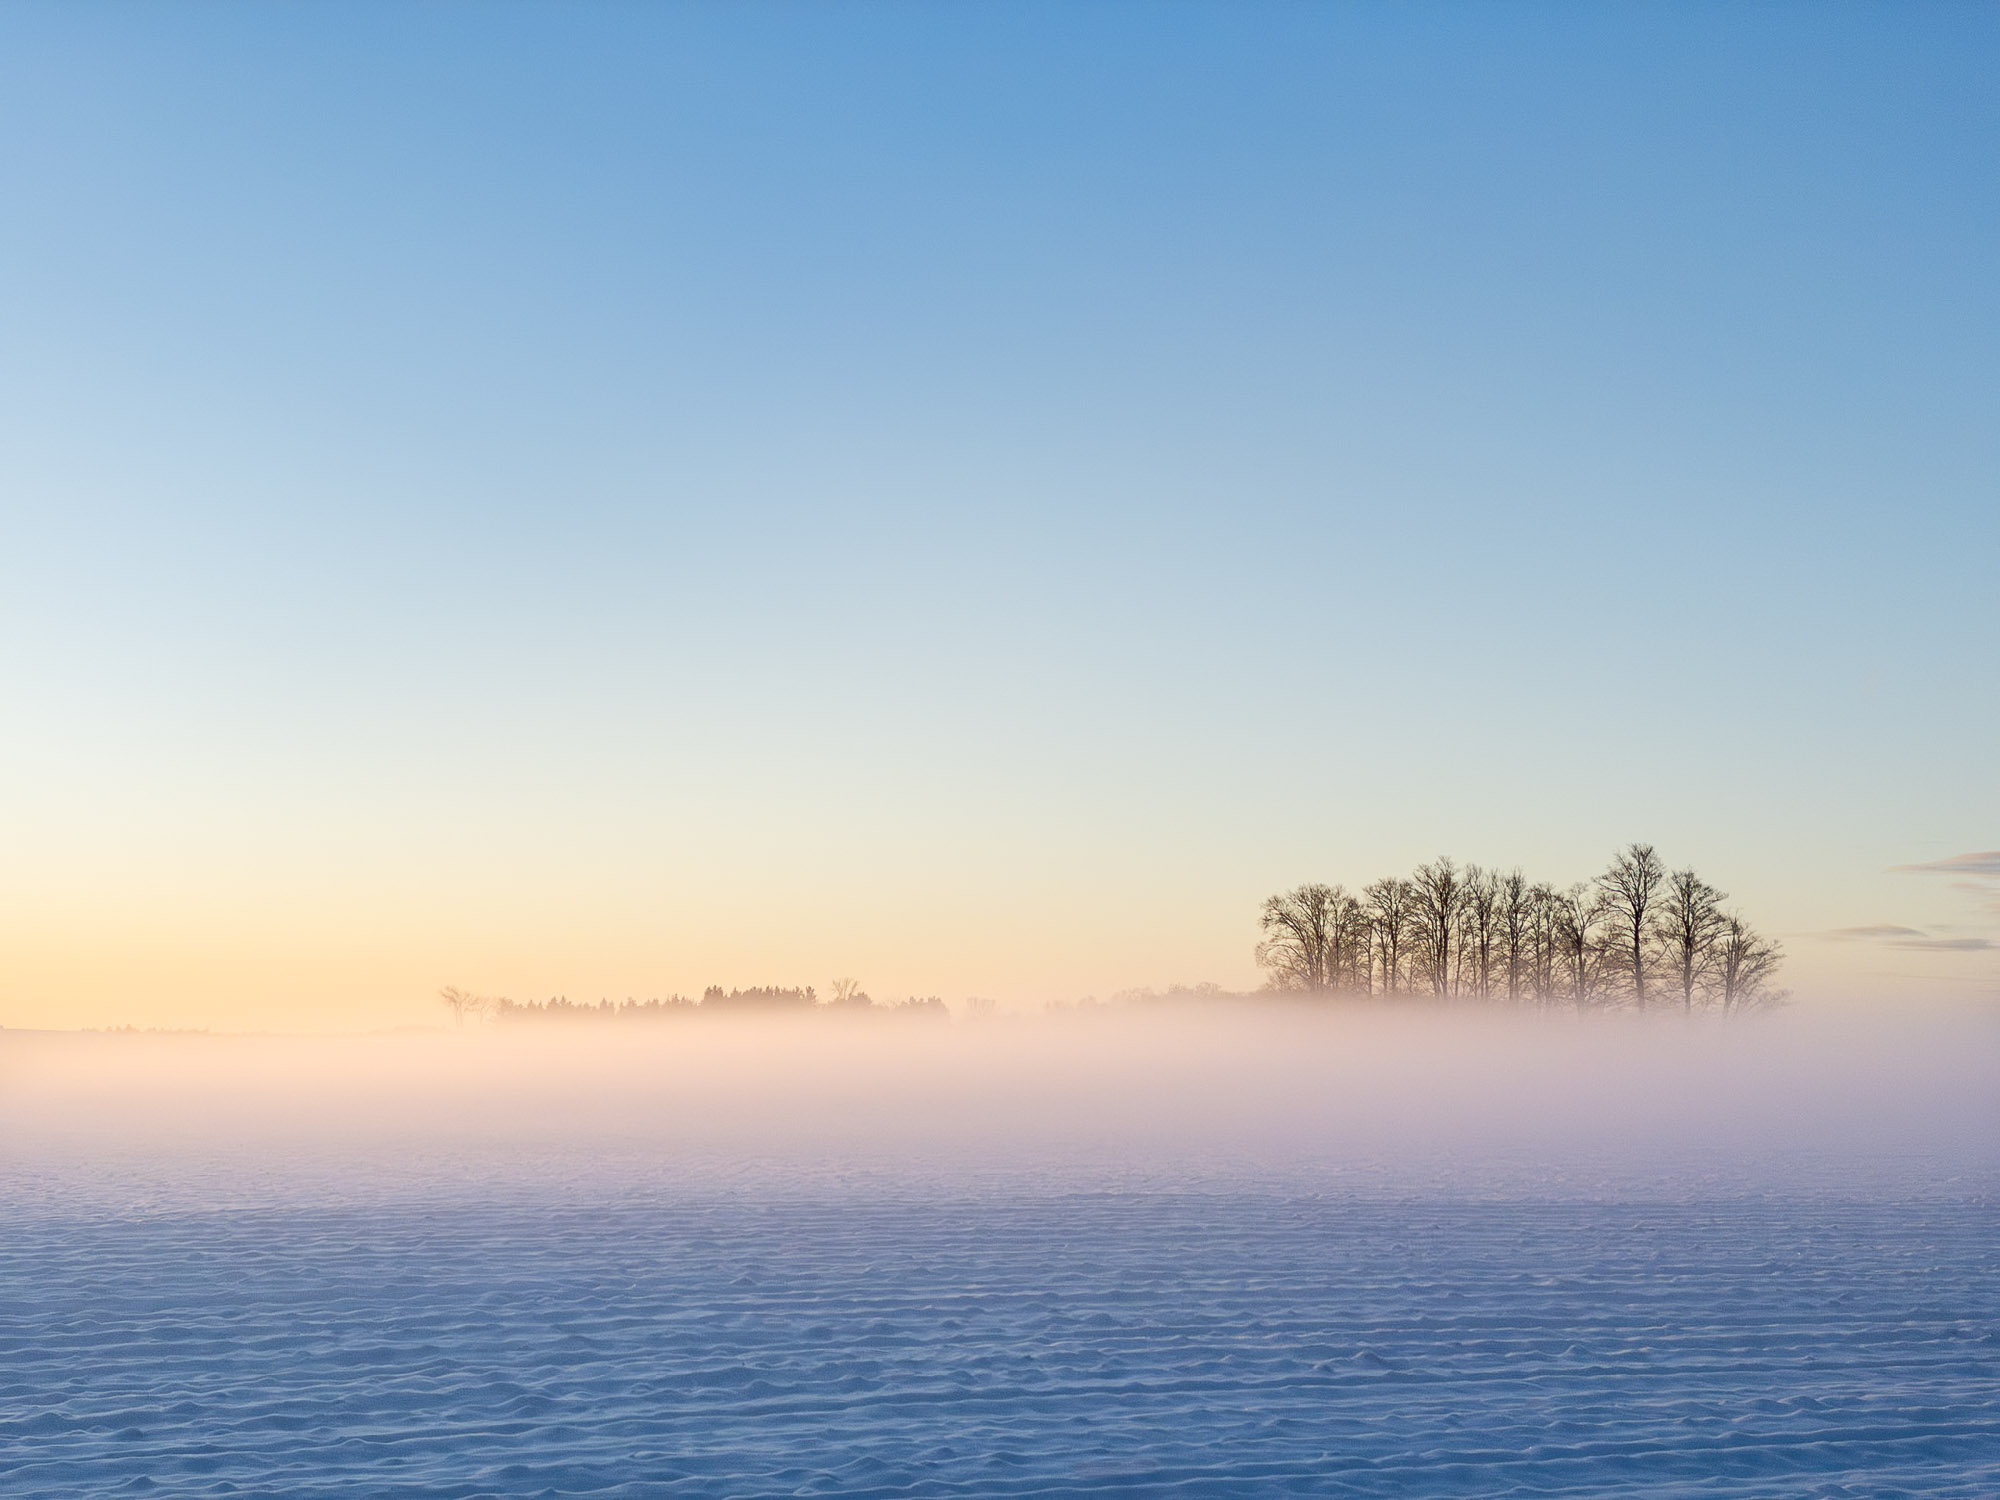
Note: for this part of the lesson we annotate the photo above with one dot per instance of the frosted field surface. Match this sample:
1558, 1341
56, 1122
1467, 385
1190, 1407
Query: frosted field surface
1180, 1342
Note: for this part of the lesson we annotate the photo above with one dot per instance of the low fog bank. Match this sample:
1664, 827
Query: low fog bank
1862, 1102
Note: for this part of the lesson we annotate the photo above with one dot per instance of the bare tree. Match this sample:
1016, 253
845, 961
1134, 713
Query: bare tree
462, 1003
1631, 887
1482, 910
1389, 913
1579, 955
848, 995
1689, 923
1437, 892
1298, 937
1516, 912
1348, 962
1745, 964
1461, 951
1544, 909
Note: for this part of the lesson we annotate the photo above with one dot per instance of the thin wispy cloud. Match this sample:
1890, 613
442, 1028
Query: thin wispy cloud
1915, 939
1974, 874
1987, 897
1985, 863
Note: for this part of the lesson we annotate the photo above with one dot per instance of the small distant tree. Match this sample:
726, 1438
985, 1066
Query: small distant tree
1689, 923
848, 994
1745, 965
1631, 888
1389, 908
461, 1003
1298, 928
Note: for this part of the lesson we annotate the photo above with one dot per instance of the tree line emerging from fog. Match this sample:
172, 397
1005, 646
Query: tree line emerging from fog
1638, 935
848, 998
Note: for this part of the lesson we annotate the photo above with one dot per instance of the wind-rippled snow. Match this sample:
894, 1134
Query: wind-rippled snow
1011, 1342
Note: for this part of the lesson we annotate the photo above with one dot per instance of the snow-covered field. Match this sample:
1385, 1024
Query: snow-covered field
1205, 1343
572, 1290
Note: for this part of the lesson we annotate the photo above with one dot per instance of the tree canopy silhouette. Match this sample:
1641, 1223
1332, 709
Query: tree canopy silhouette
1636, 932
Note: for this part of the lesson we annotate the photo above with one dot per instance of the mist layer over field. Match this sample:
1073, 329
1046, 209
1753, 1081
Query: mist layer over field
1859, 1102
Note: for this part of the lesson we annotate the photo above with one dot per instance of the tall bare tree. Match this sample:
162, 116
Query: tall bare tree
1389, 913
1579, 956
1298, 936
1631, 888
1482, 911
1688, 925
1544, 910
1348, 961
1515, 917
1437, 893
1745, 964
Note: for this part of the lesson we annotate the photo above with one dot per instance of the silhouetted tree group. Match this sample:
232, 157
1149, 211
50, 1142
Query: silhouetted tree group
848, 998
558, 1007
1639, 934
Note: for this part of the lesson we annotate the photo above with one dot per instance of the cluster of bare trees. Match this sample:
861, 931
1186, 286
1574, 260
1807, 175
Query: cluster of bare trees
1639, 934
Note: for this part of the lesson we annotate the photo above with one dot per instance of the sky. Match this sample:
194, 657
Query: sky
604, 500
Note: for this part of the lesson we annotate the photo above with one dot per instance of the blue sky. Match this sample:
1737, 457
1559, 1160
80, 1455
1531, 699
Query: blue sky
607, 499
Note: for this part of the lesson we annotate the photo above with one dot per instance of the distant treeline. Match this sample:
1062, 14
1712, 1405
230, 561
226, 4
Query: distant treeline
847, 998
1637, 935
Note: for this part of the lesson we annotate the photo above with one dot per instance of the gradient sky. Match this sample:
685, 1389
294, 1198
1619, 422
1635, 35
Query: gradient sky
603, 500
